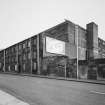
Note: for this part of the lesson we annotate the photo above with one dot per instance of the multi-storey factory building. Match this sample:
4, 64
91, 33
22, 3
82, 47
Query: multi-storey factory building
48, 51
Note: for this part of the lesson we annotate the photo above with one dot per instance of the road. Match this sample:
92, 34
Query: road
42, 91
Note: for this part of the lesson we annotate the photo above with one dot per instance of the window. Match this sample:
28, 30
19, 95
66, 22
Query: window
16, 67
24, 66
6, 52
9, 68
24, 45
15, 48
12, 49
29, 43
29, 55
34, 65
24, 57
20, 47
0, 65
12, 59
34, 54
6, 60
35, 41
9, 60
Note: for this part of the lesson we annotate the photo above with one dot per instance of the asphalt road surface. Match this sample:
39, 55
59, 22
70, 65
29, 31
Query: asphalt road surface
42, 91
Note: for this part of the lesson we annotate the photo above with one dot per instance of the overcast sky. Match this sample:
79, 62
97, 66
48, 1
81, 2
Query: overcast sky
20, 19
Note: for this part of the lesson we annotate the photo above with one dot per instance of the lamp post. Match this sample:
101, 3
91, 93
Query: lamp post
4, 61
76, 29
65, 70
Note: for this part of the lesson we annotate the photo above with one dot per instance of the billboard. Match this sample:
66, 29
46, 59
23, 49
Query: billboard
55, 46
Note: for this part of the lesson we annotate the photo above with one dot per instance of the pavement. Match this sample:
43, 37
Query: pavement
7, 99
44, 91
99, 81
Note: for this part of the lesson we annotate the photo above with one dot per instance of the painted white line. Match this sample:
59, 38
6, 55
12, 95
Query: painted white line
7, 99
97, 92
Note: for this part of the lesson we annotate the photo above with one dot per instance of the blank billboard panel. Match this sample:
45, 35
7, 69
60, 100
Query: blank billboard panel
55, 46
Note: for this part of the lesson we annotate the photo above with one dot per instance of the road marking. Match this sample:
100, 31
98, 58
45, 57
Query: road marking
97, 92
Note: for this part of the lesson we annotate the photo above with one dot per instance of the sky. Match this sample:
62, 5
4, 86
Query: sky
21, 19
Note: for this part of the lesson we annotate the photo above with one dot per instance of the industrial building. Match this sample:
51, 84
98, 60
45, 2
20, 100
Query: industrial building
54, 51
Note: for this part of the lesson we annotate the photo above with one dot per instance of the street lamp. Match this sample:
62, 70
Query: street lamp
76, 29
